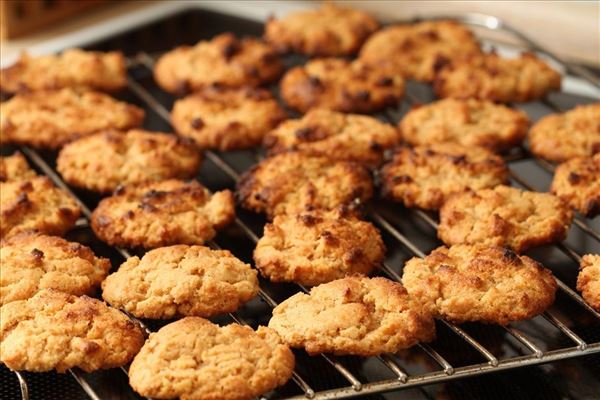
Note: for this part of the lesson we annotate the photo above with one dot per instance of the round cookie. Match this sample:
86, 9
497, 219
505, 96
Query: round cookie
328, 31
347, 137
181, 280
498, 79
355, 315
72, 68
224, 61
480, 283
469, 122
194, 359
227, 119
426, 176
577, 182
418, 50
30, 262
14, 168
58, 331
35, 205
560, 137
588, 280
162, 213
340, 85
315, 247
103, 161
504, 216
295, 182
50, 119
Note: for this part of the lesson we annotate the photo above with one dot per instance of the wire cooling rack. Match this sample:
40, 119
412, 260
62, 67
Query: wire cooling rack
569, 329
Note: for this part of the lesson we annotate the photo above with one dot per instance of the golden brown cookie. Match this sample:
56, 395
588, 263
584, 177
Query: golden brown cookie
346, 137
426, 176
355, 315
295, 182
35, 204
50, 119
560, 137
194, 359
73, 68
418, 50
588, 280
30, 262
315, 247
480, 283
181, 280
327, 31
225, 61
502, 80
15, 167
57, 331
103, 161
577, 182
504, 216
162, 213
227, 119
341, 85
469, 122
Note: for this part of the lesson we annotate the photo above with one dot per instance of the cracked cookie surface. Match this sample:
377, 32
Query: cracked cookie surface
58, 331
162, 213
194, 359
50, 119
31, 262
315, 247
426, 176
480, 283
577, 182
504, 216
103, 161
181, 280
347, 137
354, 315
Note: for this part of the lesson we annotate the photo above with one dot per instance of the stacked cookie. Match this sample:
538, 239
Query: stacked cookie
321, 170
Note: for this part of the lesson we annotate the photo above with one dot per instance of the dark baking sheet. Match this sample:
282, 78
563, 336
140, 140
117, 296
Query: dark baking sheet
576, 378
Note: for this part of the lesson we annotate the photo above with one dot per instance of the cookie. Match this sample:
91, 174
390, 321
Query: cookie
340, 85
504, 216
480, 283
225, 119
103, 161
355, 315
295, 182
181, 280
469, 122
588, 280
50, 119
35, 204
327, 31
194, 359
224, 61
73, 68
14, 168
57, 331
31, 262
577, 182
162, 213
426, 176
315, 247
418, 50
560, 137
346, 137
498, 79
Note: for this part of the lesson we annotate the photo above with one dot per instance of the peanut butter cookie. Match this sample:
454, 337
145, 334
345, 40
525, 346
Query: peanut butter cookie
588, 281
577, 182
14, 168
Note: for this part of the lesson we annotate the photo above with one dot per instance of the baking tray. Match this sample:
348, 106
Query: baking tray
467, 361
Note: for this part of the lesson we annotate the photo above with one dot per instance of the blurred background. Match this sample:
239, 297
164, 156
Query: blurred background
569, 28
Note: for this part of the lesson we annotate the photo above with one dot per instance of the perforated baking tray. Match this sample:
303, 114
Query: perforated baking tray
460, 354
